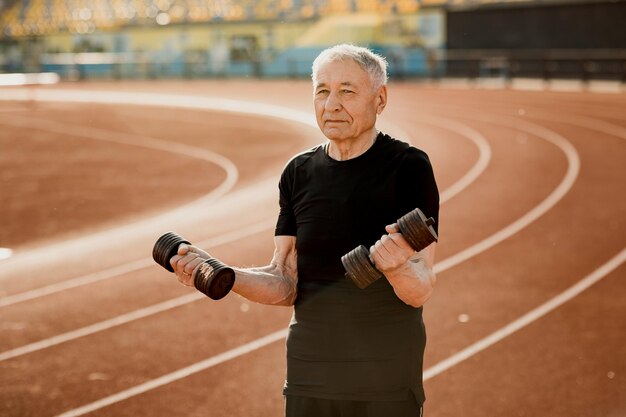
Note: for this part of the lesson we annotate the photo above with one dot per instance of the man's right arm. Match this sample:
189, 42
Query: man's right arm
276, 283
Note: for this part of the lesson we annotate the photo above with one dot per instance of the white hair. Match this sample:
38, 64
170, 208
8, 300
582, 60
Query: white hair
372, 63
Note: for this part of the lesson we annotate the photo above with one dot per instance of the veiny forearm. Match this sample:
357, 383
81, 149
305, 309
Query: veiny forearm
413, 282
272, 284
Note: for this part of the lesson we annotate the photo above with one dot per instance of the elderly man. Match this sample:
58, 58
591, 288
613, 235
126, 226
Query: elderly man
350, 352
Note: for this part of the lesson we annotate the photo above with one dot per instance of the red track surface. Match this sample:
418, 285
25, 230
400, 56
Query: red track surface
551, 199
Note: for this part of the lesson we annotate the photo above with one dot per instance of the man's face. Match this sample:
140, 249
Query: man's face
346, 104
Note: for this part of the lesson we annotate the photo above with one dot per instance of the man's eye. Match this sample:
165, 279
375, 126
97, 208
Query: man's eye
319, 92
347, 91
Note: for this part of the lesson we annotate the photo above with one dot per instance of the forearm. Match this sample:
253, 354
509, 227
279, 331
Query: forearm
271, 285
414, 281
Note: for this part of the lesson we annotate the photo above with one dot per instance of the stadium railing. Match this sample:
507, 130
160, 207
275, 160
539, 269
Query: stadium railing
582, 64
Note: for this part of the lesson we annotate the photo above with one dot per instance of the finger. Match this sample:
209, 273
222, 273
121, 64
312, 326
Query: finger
392, 228
183, 248
393, 244
184, 261
399, 241
379, 254
387, 254
374, 257
174, 261
199, 252
186, 271
191, 266
385, 246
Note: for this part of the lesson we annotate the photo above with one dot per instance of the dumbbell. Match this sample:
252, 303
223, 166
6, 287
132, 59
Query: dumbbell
414, 227
213, 277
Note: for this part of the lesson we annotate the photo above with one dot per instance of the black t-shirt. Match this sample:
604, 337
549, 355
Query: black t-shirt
344, 342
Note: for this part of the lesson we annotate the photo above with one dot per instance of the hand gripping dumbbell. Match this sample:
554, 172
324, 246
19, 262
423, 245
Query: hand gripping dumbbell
213, 278
415, 228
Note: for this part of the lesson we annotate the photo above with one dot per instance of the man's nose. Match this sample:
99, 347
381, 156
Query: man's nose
333, 103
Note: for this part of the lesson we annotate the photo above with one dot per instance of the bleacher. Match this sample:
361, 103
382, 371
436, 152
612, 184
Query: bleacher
43, 17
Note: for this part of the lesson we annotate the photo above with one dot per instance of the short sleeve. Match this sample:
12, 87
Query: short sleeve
286, 224
418, 186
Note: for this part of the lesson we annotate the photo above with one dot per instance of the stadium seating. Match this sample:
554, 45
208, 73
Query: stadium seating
42, 17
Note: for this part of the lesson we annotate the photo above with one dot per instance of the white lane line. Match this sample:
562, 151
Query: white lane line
591, 123
429, 373
463, 130
133, 139
484, 153
103, 325
161, 100
180, 374
129, 267
573, 169
527, 318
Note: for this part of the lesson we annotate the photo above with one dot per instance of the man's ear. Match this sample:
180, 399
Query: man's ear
381, 99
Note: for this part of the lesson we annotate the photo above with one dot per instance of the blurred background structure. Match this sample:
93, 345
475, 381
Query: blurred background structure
137, 39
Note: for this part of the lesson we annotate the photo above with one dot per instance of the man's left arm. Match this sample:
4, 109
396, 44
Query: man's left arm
410, 274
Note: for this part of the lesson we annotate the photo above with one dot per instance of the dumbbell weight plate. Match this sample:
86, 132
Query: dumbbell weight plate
214, 279
417, 229
359, 267
165, 248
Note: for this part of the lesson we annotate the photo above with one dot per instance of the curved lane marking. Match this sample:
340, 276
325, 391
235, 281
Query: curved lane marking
463, 130
591, 123
533, 315
573, 169
132, 139
180, 374
484, 153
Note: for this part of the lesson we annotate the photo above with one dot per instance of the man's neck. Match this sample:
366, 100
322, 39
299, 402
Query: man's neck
342, 150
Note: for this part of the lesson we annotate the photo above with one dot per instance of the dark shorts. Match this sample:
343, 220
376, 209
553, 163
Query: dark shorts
318, 407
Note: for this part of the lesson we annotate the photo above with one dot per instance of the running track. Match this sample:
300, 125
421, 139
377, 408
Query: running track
528, 317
